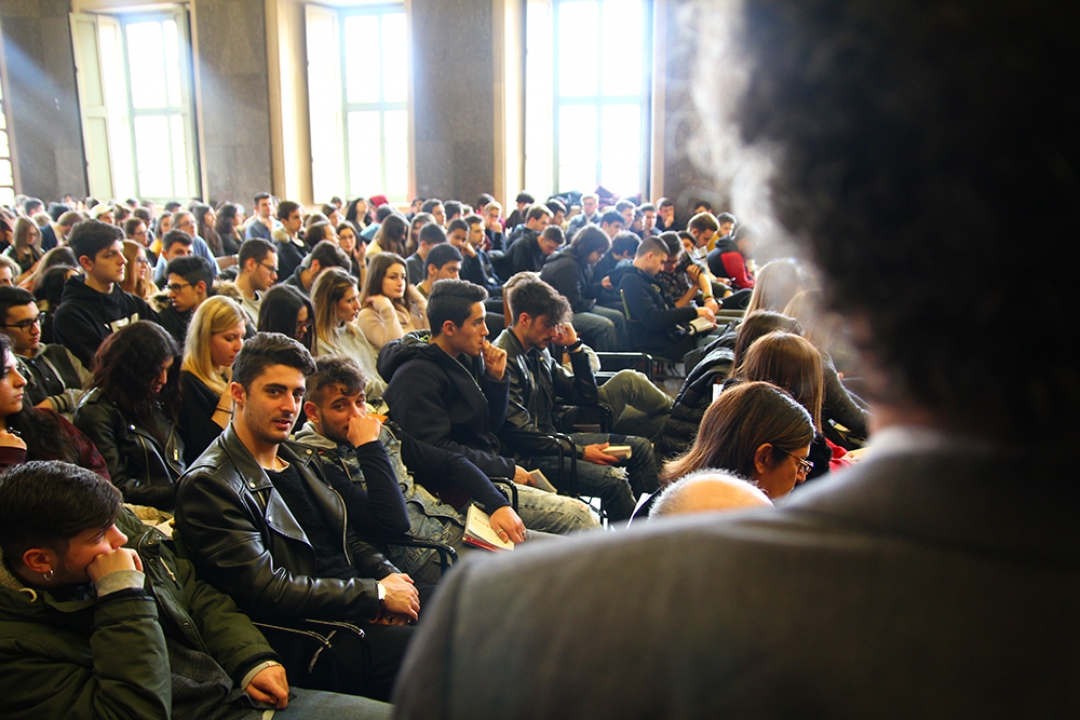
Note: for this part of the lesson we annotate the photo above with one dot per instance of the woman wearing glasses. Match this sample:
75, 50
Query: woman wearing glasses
756, 431
137, 272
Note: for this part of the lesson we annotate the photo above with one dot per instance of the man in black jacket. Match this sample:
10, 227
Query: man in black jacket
263, 525
656, 325
537, 383
450, 390
93, 306
571, 272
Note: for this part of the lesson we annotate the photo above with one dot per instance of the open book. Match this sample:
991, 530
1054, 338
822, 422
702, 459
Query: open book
623, 452
479, 533
541, 482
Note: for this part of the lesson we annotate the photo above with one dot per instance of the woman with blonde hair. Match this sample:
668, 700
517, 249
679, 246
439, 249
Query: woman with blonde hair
214, 338
25, 248
337, 305
777, 282
137, 272
390, 306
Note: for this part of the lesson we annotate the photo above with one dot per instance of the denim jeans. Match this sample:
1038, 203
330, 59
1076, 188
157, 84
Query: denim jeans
637, 406
615, 485
551, 513
317, 705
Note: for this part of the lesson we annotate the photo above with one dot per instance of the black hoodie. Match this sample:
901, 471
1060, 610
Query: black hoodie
86, 317
437, 399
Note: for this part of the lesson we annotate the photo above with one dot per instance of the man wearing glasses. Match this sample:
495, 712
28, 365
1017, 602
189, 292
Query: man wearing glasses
53, 377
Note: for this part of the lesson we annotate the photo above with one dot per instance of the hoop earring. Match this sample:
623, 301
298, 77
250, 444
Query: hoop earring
48, 575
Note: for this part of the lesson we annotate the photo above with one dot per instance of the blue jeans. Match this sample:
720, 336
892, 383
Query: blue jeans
317, 705
615, 485
553, 513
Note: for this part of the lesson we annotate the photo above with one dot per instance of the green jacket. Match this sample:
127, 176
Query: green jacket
80, 658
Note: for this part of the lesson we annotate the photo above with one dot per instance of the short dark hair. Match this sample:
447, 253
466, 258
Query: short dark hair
665, 202
536, 212
612, 216
535, 298
11, 296
524, 197
588, 240
194, 269
329, 255
725, 217
172, 237
647, 207
32, 205
430, 205
452, 300
703, 221
457, 224
266, 349
90, 237
286, 208
703, 204
383, 211
261, 196
46, 504
556, 206
625, 242
336, 370
623, 205
432, 234
484, 199
473, 219
451, 208
254, 249
440, 255
652, 245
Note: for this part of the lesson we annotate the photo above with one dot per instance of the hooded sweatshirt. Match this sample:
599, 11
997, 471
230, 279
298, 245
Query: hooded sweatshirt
439, 400
86, 317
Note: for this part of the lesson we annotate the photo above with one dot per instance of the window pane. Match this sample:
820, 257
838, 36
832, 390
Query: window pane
172, 62
395, 77
621, 33
361, 79
577, 147
397, 155
578, 48
621, 148
7, 196
365, 154
152, 156
179, 157
6, 178
5, 149
146, 61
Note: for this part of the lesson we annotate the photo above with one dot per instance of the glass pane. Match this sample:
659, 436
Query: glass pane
7, 196
6, 178
179, 158
578, 49
5, 149
147, 65
621, 41
3, 118
397, 155
620, 155
152, 156
395, 77
577, 148
365, 154
361, 77
172, 62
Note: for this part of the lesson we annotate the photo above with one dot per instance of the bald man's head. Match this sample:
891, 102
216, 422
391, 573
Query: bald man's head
707, 491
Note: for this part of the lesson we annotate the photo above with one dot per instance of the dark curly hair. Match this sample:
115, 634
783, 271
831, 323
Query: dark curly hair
909, 138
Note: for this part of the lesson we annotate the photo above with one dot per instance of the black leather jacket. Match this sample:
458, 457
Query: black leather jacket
534, 394
244, 540
145, 472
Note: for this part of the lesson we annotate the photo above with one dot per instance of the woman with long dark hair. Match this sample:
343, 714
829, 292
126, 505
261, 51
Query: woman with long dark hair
286, 310
390, 237
129, 412
25, 247
28, 433
390, 306
755, 430
337, 304
205, 224
230, 217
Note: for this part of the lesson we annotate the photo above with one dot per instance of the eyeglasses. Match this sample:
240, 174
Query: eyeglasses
271, 268
26, 324
177, 287
302, 328
805, 466
141, 260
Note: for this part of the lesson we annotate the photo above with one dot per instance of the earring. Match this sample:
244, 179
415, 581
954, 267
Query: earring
48, 575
